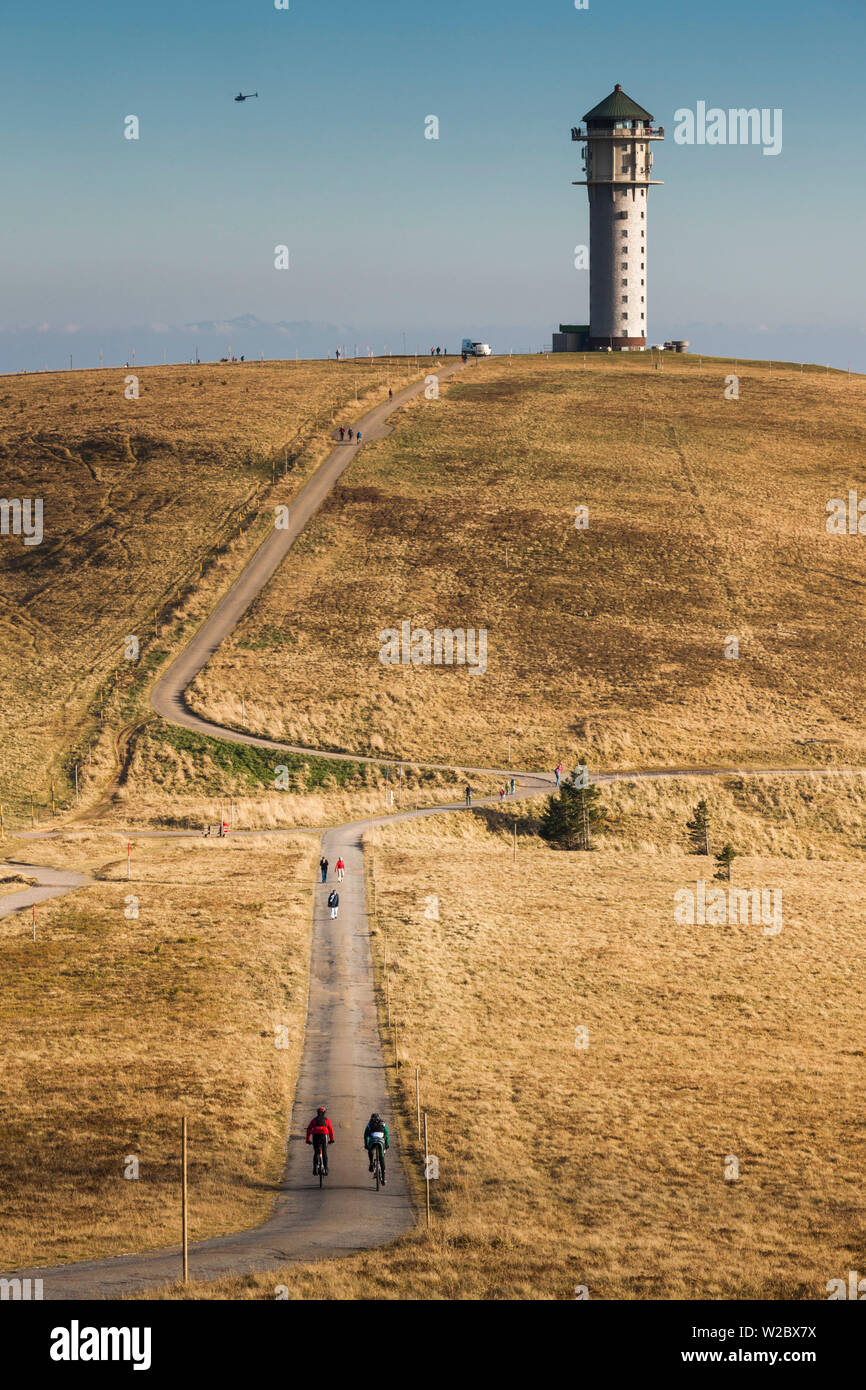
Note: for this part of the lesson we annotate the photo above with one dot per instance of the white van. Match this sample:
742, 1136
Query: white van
473, 349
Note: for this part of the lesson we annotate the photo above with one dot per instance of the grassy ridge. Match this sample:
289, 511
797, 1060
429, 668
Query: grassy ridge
253, 768
150, 507
706, 521
180, 778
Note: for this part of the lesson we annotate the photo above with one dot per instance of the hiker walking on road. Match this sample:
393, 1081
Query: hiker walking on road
358, 437
323, 865
468, 795
512, 786
342, 433
350, 434
340, 868
334, 902
390, 394
558, 772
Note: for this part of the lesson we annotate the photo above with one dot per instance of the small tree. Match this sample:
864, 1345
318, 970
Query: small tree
698, 829
724, 859
570, 816
555, 826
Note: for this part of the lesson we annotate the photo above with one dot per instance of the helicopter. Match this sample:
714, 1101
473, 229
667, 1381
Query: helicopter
245, 97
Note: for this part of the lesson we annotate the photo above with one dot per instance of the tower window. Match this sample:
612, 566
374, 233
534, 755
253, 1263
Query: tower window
625, 299
623, 281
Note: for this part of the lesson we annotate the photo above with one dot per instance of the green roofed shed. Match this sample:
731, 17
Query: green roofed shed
617, 107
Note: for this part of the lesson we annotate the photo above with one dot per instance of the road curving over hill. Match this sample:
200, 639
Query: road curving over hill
168, 695
343, 1064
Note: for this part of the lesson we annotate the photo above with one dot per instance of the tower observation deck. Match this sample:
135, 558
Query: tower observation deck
617, 153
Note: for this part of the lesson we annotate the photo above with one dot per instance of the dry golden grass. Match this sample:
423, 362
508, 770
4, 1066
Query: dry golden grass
115, 1028
709, 522
138, 495
180, 779
604, 1167
14, 883
704, 1042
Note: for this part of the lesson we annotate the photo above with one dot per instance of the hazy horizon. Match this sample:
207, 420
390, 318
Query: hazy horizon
148, 345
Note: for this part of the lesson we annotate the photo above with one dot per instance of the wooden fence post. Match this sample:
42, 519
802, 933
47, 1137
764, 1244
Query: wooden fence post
183, 1196
426, 1170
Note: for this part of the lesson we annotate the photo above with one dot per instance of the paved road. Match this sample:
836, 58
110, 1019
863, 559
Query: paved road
167, 697
342, 1067
52, 883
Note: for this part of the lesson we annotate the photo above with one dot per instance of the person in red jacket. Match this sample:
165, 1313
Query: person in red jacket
320, 1133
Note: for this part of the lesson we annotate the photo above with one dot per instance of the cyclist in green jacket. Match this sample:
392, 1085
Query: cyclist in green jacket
376, 1133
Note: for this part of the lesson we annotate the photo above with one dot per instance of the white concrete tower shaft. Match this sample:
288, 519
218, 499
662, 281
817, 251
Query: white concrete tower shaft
618, 162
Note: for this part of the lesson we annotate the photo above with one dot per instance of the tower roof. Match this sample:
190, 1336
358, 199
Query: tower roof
617, 106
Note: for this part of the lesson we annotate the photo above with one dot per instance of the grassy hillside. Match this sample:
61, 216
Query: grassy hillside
605, 1165
180, 778
143, 504
707, 520
115, 1027
560, 1166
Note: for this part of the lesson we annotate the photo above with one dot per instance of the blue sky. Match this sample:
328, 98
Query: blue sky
471, 233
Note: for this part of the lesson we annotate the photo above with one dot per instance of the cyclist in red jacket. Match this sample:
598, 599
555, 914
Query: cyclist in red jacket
320, 1133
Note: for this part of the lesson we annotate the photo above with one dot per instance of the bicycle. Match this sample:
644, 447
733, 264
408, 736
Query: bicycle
320, 1159
378, 1171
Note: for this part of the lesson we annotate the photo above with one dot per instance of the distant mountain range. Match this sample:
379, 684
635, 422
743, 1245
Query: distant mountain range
49, 346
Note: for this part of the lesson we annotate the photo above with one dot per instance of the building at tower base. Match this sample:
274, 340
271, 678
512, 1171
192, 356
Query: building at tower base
572, 337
